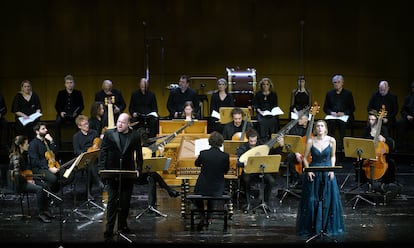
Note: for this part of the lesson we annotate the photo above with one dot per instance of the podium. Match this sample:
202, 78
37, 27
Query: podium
360, 149
322, 233
262, 165
293, 143
154, 165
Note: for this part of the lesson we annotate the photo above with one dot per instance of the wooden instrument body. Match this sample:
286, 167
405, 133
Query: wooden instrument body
241, 136
50, 157
375, 169
314, 110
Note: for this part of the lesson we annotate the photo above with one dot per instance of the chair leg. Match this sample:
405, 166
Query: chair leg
28, 204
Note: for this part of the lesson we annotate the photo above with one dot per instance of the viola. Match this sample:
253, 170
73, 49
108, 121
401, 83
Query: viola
314, 110
50, 157
375, 169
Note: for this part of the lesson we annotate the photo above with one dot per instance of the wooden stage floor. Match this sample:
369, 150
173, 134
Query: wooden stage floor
390, 222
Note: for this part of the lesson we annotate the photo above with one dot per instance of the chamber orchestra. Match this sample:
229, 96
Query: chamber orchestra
181, 139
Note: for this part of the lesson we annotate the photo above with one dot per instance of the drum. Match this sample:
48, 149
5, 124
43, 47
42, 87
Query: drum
242, 85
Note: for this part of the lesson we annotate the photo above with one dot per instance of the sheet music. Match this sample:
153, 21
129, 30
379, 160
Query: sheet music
294, 116
343, 118
215, 114
153, 114
275, 111
202, 144
31, 118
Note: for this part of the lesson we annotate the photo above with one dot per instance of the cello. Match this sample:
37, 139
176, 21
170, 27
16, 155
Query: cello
314, 110
375, 168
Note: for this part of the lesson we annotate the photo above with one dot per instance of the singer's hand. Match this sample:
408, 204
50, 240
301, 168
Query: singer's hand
311, 176
137, 173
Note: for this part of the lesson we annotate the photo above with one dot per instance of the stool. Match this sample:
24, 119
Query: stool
224, 212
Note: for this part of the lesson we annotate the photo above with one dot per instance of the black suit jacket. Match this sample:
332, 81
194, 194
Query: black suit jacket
214, 164
112, 153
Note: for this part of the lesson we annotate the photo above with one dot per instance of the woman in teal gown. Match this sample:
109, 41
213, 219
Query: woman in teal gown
320, 207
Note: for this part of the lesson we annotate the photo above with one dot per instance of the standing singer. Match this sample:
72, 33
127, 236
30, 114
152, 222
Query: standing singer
119, 145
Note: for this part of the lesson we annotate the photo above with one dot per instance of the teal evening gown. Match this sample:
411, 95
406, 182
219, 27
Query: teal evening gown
320, 206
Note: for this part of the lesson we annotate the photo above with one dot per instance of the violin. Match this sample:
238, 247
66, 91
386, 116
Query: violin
96, 145
50, 157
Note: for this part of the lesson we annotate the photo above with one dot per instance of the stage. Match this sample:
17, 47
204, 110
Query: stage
390, 221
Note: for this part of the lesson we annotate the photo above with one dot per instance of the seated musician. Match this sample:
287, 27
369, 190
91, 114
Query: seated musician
249, 179
152, 178
294, 159
86, 139
370, 132
235, 126
42, 150
188, 111
24, 182
214, 165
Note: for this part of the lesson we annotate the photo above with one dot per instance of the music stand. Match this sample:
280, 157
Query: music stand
83, 161
230, 147
262, 165
322, 233
121, 174
225, 114
293, 143
154, 165
360, 149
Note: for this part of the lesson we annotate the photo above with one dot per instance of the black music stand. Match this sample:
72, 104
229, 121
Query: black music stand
154, 165
293, 143
360, 149
121, 174
322, 233
230, 147
83, 161
262, 165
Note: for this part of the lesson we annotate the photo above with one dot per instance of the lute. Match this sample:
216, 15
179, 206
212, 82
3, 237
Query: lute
149, 150
263, 150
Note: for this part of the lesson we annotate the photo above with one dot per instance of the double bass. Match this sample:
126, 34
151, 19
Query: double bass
375, 168
314, 110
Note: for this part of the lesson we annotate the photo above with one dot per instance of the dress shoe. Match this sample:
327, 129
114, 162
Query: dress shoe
44, 218
49, 214
173, 193
210, 221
